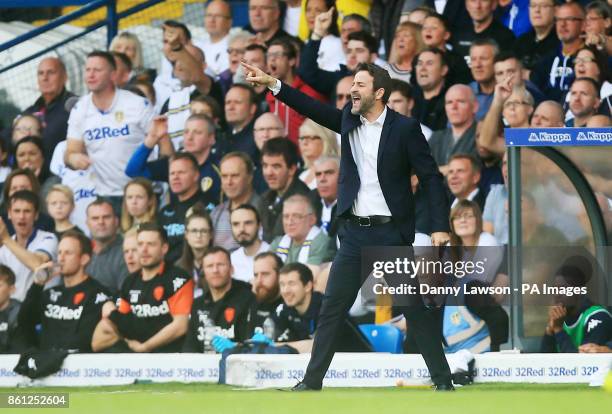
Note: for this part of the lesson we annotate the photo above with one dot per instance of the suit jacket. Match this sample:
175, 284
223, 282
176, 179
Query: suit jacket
479, 199
318, 206
402, 148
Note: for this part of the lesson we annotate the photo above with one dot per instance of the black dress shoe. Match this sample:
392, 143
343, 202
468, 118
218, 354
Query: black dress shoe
443, 387
300, 386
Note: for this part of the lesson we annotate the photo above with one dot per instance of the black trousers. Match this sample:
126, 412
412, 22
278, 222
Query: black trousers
342, 287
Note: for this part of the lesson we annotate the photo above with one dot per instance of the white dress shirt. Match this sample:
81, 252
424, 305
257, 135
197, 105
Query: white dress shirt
364, 141
470, 197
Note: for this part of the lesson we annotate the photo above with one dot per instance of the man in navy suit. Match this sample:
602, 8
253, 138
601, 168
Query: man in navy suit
379, 149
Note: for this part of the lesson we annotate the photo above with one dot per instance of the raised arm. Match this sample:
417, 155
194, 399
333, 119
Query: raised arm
323, 114
491, 125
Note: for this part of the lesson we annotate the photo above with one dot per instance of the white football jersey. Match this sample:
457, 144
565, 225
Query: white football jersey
79, 182
110, 137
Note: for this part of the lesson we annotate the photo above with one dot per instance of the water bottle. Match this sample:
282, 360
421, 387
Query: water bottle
209, 333
269, 329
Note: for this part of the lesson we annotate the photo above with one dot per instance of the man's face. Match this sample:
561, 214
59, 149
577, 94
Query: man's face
569, 23
357, 52
459, 106
293, 292
236, 51
217, 20
266, 127
346, 29
264, 15
298, 219
151, 249
244, 226
362, 93
481, 63
584, 99
399, 103
343, 91
480, 10
183, 177
130, 253
507, 68
235, 181
238, 109
257, 58
326, 174
541, 13
265, 280
196, 138
22, 216
69, 256
51, 78
545, 116
102, 222
429, 70
217, 270
276, 172
99, 74
434, 33
462, 179
279, 64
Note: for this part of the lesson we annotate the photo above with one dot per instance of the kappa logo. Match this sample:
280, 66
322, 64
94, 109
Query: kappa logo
178, 282
533, 137
54, 295
78, 298
101, 297
134, 295
593, 324
581, 137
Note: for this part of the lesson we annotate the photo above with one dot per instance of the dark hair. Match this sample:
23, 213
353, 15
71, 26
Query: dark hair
476, 166
20, 171
157, 228
249, 89
504, 55
179, 25
278, 263
381, 78
4, 149
303, 270
147, 85
442, 19
32, 139
435, 51
576, 270
600, 7
187, 257
100, 201
83, 240
601, 60
366, 38
591, 81
212, 103
256, 46
333, 29
218, 249
366, 26
187, 156
288, 47
123, 58
284, 147
244, 157
27, 196
103, 54
249, 208
7, 274
402, 87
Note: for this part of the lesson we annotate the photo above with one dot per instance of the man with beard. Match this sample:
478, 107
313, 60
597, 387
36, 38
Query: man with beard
374, 196
237, 185
266, 270
245, 229
154, 304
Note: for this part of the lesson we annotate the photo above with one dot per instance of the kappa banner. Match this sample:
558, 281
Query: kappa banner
550, 137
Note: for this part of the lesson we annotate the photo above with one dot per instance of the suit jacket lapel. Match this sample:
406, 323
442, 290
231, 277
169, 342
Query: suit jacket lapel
384, 136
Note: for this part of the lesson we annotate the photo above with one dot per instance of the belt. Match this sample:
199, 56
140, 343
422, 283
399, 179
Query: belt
369, 220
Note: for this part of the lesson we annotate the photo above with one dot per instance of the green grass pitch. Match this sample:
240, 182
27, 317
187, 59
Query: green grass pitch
177, 398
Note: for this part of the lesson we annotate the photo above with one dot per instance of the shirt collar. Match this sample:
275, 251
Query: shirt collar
380, 120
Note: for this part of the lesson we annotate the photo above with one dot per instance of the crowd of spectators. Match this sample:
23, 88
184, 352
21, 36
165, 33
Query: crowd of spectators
179, 208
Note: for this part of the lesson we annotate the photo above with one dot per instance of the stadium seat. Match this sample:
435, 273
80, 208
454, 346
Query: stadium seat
384, 338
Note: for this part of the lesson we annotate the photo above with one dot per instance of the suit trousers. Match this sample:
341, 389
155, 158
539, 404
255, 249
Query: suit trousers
343, 285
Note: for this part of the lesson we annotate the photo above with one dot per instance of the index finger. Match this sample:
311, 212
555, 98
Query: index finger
249, 67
